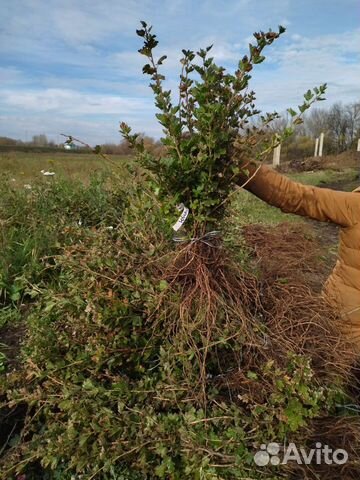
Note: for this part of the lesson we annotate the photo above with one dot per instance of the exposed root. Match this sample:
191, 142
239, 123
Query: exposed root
218, 300
256, 320
286, 251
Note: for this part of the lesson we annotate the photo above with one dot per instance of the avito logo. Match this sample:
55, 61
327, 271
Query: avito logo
273, 454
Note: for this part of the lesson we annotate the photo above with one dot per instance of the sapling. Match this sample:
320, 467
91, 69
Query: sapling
207, 130
209, 137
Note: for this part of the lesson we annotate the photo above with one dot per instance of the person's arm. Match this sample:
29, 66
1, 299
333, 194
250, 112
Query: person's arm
323, 204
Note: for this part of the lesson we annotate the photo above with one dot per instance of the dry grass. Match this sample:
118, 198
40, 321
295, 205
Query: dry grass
26, 167
343, 161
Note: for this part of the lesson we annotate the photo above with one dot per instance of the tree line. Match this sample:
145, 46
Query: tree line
41, 142
340, 123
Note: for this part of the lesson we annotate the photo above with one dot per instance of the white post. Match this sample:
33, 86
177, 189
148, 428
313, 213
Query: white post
358, 145
316, 147
276, 156
321, 144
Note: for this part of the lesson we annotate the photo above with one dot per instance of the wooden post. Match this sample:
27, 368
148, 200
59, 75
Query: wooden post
276, 156
358, 145
321, 144
316, 147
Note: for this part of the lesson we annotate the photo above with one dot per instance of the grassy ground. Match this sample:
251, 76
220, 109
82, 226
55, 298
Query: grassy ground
54, 238
25, 168
34, 220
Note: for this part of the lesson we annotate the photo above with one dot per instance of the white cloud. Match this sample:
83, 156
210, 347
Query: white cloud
307, 62
298, 71
70, 102
74, 62
92, 130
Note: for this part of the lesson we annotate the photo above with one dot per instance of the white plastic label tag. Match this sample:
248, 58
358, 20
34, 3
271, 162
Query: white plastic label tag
181, 220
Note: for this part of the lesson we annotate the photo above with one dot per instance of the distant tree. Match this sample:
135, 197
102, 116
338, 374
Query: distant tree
353, 115
340, 123
123, 148
8, 141
279, 124
316, 122
298, 145
338, 127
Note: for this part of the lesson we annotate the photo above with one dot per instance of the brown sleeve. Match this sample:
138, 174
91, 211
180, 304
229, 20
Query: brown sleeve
323, 204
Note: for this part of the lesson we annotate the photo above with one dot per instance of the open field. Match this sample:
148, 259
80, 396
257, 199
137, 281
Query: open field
26, 167
74, 303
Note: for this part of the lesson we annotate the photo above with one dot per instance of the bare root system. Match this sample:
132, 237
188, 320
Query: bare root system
232, 322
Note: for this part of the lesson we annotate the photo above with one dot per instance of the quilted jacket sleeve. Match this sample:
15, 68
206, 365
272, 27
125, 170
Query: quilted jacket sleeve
323, 204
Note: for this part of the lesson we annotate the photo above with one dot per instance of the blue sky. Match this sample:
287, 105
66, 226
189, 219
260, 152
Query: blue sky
73, 67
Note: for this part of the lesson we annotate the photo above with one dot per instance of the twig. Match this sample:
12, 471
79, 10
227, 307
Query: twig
7, 440
241, 186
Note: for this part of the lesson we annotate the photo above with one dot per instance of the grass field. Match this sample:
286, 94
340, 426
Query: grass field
28, 166
87, 192
65, 242
21, 169
25, 168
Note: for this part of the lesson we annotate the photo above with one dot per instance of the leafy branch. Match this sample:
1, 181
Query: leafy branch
207, 133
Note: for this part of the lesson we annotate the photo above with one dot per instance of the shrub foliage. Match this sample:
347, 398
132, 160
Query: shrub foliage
208, 130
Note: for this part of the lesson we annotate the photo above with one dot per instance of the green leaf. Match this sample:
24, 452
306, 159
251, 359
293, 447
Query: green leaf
298, 121
295, 414
163, 285
303, 108
201, 53
308, 95
258, 59
148, 69
145, 51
